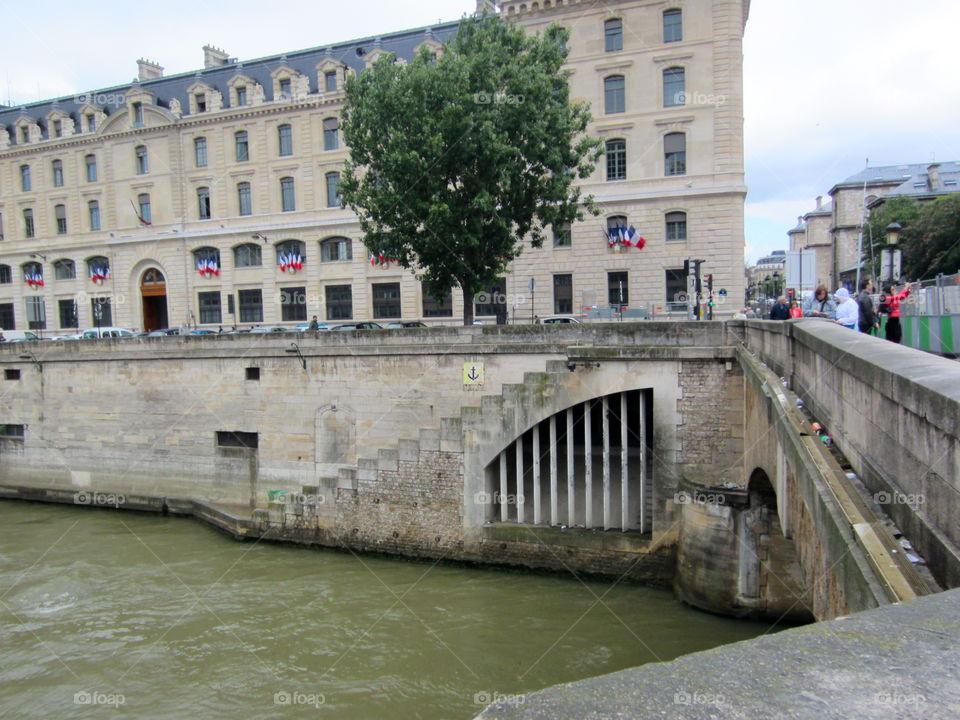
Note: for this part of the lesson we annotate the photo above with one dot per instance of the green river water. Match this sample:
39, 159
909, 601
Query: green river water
106, 613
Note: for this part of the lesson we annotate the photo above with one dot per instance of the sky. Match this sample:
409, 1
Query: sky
828, 84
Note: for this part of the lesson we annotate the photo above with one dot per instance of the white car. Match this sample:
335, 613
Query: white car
106, 332
558, 320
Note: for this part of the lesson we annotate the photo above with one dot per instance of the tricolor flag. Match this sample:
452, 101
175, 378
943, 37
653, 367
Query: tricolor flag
33, 279
284, 262
99, 273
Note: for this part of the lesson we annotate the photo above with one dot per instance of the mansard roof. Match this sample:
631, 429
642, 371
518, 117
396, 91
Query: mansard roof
352, 54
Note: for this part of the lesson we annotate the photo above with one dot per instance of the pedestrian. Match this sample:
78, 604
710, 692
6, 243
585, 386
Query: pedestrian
314, 325
2, 338
795, 312
780, 311
220, 330
848, 311
890, 304
868, 318
820, 304
750, 313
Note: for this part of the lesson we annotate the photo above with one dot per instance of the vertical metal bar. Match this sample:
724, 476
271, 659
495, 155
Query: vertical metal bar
605, 418
571, 472
587, 466
504, 491
520, 498
537, 517
554, 498
624, 461
644, 500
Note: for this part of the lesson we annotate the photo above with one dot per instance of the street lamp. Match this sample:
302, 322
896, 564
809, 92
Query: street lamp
890, 256
776, 285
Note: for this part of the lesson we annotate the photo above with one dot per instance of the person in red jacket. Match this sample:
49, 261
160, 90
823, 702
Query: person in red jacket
890, 303
795, 312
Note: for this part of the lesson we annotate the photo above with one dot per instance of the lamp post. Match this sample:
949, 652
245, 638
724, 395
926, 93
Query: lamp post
890, 256
776, 285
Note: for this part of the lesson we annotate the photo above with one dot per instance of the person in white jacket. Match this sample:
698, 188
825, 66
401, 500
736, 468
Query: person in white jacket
848, 311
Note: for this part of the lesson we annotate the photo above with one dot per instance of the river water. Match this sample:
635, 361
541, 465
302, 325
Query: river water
133, 615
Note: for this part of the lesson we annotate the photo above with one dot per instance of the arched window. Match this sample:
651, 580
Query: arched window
291, 254
674, 87
336, 249
675, 154
247, 255
206, 260
152, 277
98, 268
613, 35
331, 134
676, 226
285, 140
616, 159
672, 25
64, 270
614, 97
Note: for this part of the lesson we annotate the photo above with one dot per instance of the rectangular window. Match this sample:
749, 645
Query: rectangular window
675, 154
243, 198
64, 270
618, 289
68, 314
11, 374
285, 89
563, 294
36, 313
330, 81
237, 439
94, 208
253, 373
60, 212
146, 213
242, 146
676, 226
251, 305
293, 303
200, 152
614, 93
201, 100
339, 302
336, 250
241, 95
676, 284
137, 114
14, 432
331, 134
28, 223
209, 308
492, 300
91, 123
91, 162
288, 200
333, 189
25, 183
436, 308
672, 26
6, 317
57, 173
101, 311
562, 236
616, 160
285, 140
674, 87
386, 300
57, 128
142, 164
613, 31
203, 203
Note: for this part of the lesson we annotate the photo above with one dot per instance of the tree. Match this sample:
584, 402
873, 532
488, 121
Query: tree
929, 235
455, 159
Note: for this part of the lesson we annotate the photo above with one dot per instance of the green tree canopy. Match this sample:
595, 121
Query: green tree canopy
455, 159
929, 238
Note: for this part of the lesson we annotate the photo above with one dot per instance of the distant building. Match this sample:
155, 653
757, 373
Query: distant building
773, 265
832, 229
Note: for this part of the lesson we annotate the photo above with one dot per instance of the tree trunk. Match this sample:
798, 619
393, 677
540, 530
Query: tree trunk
467, 306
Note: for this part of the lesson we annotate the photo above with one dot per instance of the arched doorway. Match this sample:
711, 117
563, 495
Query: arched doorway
153, 289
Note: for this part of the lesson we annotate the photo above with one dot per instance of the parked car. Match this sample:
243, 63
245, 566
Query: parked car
358, 326
558, 320
305, 327
66, 337
268, 329
202, 332
411, 324
19, 335
106, 332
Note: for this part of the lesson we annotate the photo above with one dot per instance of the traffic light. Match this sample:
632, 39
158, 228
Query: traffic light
710, 283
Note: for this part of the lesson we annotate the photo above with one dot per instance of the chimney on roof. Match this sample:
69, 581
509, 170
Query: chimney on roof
933, 177
819, 202
148, 69
214, 57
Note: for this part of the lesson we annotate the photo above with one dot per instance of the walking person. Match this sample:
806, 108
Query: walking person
820, 304
890, 302
848, 310
780, 311
868, 318
314, 326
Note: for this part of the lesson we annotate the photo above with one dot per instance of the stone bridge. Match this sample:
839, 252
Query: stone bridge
673, 453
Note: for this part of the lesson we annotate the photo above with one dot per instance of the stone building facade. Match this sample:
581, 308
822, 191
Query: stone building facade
210, 198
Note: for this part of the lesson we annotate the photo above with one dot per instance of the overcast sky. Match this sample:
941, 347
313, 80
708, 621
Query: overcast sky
827, 83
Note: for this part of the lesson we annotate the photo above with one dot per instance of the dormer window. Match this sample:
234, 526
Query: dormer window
57, 128
24, 134
201, 102
241, 95
284, 88
330, 81
91, 123
138, 114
